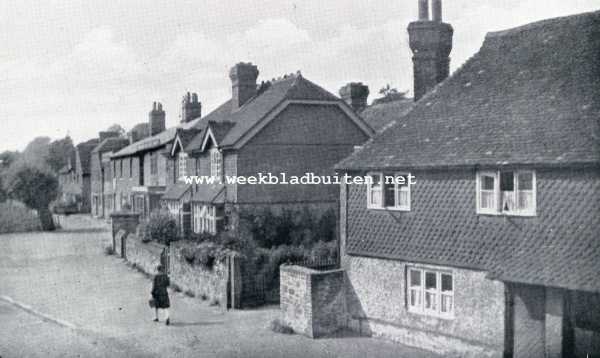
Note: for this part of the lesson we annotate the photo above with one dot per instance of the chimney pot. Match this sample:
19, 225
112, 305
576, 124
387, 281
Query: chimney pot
157, 119
190, 107
423, 10
437, 10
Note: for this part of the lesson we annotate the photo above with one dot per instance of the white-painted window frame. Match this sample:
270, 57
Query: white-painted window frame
498, 196
216, 162
381, 192
422, 291
182, 164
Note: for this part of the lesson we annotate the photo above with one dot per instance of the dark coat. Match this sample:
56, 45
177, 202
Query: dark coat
159, 291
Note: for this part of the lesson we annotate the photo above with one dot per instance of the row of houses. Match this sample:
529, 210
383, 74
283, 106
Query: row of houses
494, 252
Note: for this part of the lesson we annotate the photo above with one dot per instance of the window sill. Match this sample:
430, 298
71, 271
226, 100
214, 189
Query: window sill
524, 215
387, 208
447, 317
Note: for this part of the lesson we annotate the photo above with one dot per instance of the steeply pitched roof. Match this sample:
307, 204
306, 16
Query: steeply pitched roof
530, 95
176, 191
382, 115
229, 126
209, 193
111, 144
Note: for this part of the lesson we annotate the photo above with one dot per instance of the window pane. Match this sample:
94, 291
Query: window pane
525, 200
415, 278
430, 301
487, 200
403, 198
525, 181
507, 181
389, 195
415, 298
446, 304
430, 280
487, 182
446, 282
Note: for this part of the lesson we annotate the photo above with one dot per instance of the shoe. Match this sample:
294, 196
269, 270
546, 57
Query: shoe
168, 322
156, 320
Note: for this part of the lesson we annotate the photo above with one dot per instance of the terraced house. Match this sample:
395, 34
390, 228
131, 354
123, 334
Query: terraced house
494, 251
75, 177
288, 125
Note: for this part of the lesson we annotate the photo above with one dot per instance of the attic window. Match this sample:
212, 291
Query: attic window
182, 164
388, 191
506, 193
216, 159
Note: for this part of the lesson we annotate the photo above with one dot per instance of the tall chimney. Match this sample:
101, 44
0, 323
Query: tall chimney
157, 119
355, 94
243, 83
431, 44
190, 107
423, 10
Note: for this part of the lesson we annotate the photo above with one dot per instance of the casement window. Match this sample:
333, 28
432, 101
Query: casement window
506, 192
388, 191
131, 167
430, 292
182, 164
216, 162
205, 218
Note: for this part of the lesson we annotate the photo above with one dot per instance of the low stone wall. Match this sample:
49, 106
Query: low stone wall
211, 283
312, 302
146, 256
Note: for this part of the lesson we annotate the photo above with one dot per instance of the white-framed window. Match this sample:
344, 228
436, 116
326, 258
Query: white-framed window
182, 164
205, 218
216, 162
506, 192
430, 292
388, 191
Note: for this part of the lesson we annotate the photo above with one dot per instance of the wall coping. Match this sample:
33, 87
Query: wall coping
309, 271
124, 214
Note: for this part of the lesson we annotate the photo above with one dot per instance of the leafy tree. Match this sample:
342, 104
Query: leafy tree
59, 152
36, 152
7, 158
35, 187
389, 94
116, 128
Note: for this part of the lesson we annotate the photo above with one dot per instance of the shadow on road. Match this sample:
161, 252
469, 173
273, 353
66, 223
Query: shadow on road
82, 231
188, 324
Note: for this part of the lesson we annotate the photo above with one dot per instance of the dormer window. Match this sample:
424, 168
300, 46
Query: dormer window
506, 192
388, 191
216, 159
182, 164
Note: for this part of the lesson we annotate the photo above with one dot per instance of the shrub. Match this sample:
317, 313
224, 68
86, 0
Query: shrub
108, 250
160, 227
278, 326
190, 293
176, 287
324, 251
214, 302
205, 254
203, 297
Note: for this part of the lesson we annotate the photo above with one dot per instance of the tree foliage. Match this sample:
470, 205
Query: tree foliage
389, 94
116, 128
59, 152
33, 186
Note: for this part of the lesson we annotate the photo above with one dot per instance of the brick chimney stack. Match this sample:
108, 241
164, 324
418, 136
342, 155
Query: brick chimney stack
191, 108
355, 94
243, 83
431, 44
157, 119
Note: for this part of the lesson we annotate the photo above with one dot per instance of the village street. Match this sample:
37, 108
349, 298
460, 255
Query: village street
61, 296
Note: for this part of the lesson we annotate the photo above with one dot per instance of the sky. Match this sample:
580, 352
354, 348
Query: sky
77, 67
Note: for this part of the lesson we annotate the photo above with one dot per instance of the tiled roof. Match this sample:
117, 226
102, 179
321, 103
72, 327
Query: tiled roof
176, 191
229, 126
111, 144
156, 141
530, 95
213, 194
382, 115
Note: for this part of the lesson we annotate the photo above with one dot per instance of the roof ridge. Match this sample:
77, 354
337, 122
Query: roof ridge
538, 24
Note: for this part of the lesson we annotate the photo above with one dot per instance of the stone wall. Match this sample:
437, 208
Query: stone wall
312, 302
210, 283
377, 306
145, 256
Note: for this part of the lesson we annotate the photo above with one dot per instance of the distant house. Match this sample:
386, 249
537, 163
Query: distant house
495, 250
102, 191
289, 125
74, 177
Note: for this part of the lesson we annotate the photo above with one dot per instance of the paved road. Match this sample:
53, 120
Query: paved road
60, 296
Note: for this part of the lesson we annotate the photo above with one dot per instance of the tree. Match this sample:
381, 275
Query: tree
59, 152
7, 158
116, 128
390, 94
36, 152
35, 187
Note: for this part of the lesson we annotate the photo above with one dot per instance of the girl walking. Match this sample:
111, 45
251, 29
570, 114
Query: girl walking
160, 294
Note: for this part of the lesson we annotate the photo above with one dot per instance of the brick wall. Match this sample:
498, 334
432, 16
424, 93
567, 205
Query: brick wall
312, 302
377, 304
